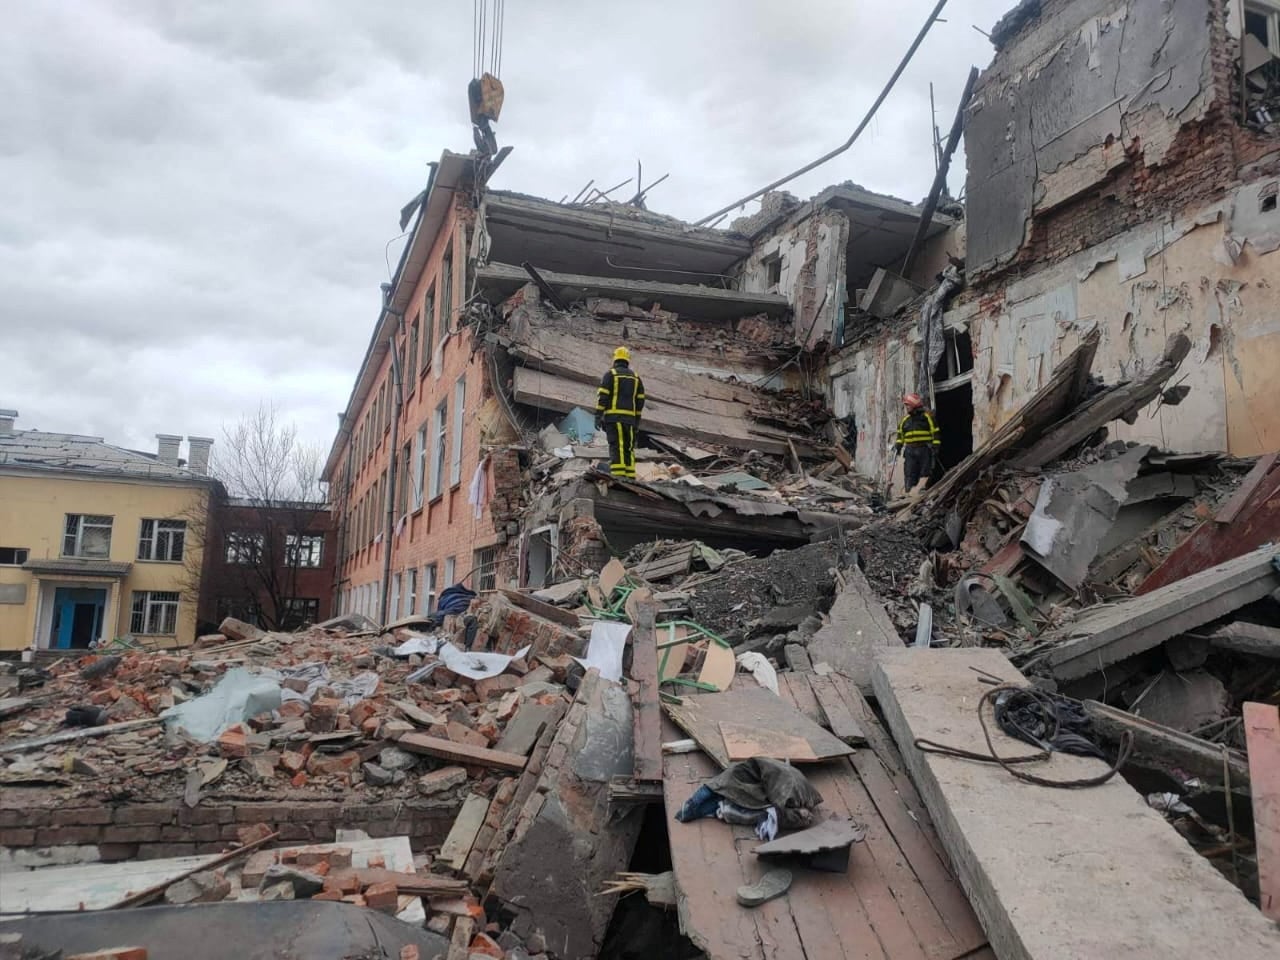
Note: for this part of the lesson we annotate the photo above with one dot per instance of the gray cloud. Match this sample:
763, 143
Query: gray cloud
198, 197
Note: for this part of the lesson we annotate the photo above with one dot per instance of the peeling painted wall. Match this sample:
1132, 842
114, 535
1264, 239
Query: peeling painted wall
1090, 87
811, 255
1213, 274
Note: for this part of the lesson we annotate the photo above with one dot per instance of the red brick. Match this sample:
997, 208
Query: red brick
291, 709
440, 780
484, 944
354, 898
142, 814
233, 742
253, 833
362, 711
80, 816
325, 708
113, 953
334, 895
409, 952
328, 764
292, 761
382, 896
17, 837
491, 688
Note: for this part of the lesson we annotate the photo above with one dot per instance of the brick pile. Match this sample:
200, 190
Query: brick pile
307, 768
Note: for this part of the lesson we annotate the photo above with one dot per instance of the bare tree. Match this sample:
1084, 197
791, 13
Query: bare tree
259, 527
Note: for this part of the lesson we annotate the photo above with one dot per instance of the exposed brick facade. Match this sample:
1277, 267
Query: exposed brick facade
442, 363
153, 830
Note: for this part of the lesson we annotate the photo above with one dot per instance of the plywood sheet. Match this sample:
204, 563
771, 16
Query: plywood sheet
701, 716
742, 742
718, 667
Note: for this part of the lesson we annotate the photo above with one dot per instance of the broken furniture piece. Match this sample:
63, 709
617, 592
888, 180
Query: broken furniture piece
821, 847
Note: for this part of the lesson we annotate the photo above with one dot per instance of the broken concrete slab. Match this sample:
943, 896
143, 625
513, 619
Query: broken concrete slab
565, 837
1255, 639
1185, 701
1102, 635
1110, 877
859, 627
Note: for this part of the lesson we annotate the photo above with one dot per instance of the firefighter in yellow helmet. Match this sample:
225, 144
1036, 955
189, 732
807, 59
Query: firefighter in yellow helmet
919, 440
619, 402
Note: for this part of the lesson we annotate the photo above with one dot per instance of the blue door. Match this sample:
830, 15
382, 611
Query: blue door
77, 616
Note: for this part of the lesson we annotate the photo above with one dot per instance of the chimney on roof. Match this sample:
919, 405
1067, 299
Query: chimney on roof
6, 421
198, 455
167, 449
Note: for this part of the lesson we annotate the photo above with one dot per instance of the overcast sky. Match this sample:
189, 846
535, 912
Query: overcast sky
198, 195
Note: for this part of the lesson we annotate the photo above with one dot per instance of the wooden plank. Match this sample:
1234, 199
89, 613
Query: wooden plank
143, 897
457, 845
742, 742
1262, 734
547, 611
460, 752
1252, 480
1254, 639
646, 713
414, 884
86, 733
1168, 747
1129, 883
840, 720
1102, 635
701, 715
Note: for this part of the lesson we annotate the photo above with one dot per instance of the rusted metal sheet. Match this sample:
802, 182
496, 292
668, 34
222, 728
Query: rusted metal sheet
1256, 522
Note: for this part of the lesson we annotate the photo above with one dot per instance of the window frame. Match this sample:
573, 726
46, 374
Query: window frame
446, 299
258, 542
16, 562
485, 569
428, 329
412, 367
305, 546
430, 587
457, 426
145, 604
310, 611
77, 538
1271, 11
149, 539
450, 571
419, 466
436, 464
411, 591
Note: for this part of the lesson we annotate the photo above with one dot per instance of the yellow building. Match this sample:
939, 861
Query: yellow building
96, 541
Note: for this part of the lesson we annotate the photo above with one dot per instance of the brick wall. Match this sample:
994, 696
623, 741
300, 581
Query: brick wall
152, 830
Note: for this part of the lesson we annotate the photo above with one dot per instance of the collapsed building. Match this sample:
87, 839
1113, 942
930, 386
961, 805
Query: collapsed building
544, 676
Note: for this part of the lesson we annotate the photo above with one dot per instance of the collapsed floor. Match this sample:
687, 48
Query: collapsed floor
520, 746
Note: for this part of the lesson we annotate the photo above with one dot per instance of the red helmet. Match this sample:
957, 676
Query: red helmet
913, 401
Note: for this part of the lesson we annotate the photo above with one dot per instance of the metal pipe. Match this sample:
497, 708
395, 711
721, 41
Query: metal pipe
856, 133
939, 178
391, 478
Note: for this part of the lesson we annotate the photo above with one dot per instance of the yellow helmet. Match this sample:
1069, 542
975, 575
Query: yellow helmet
622, 353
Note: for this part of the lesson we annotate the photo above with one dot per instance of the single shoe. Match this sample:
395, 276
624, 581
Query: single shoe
773, 884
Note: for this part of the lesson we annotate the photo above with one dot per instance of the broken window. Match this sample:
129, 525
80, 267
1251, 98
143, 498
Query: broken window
455, 458
411, 592
162, 540
244, 548
486, 569
87, 536
240, 608
1260, 50
956, 359
154, 612
429, 327
446, 293
428, 588
412, 364
402, 495
419, 466
436, 485
393, 611
773, 272
13, 556
450, 570
304, 550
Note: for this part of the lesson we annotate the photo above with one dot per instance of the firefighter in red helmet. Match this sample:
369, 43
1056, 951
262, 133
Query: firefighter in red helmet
918, 440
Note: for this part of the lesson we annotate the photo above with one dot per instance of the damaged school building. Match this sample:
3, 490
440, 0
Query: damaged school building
758, 701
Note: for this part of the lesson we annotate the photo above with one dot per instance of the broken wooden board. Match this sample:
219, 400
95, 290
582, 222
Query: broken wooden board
1255, 639
718, 666
463, 833
460, 752
1100, 636
1228, 512
859, 627
611, 575
646, 713
1055, 873
1169, 748
895, 901
85, 733
742, 742
1262, 735
545, 610
701, 716
839, 718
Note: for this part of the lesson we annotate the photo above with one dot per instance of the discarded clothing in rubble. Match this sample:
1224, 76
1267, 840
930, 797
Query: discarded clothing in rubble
757, 784
455, 599
765, 821
1046, 720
